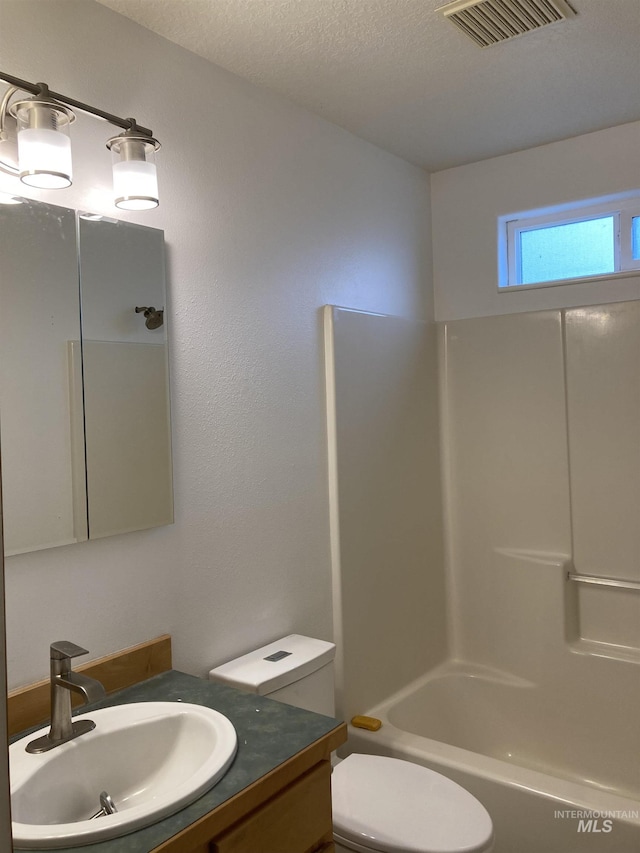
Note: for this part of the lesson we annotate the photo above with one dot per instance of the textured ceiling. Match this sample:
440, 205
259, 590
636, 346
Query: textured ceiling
396, 73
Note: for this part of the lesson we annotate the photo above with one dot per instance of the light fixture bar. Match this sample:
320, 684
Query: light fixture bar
40, 127
42, 90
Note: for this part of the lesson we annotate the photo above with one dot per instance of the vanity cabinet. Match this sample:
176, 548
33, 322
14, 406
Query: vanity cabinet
294, 819
275, 797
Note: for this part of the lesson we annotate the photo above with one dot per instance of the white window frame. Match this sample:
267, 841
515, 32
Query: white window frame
623, 208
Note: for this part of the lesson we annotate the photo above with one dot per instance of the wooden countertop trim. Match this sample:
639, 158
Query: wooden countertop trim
29, 706
253, 796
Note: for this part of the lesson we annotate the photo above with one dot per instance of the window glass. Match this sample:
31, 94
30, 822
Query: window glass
571, 250
635, 238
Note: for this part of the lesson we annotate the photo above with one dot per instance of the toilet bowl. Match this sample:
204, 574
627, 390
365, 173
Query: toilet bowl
380, 804
386, 805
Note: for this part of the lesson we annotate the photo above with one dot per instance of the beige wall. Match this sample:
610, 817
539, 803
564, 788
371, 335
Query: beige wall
269, 213
468, 199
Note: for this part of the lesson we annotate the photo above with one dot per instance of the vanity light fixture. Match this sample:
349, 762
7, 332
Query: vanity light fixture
135, 181
44, 146
35, 144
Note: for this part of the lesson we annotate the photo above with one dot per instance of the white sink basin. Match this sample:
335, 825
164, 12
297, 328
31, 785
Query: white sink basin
152, 758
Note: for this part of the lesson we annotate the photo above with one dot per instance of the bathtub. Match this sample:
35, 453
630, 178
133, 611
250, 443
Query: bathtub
554, 781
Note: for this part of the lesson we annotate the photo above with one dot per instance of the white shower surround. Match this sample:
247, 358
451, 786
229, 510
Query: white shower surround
534, 709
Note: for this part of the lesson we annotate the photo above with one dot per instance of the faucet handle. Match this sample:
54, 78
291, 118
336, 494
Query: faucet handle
62, 649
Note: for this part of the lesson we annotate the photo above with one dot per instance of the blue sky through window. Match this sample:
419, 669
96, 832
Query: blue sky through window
635, 238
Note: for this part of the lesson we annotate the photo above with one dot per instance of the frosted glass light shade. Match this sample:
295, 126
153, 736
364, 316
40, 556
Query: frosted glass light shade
45, 158
44, 147
135, 185
135, 179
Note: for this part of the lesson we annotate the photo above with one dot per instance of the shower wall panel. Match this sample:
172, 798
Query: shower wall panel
542, 434
507, 479
603, 394
388, 573
603, 399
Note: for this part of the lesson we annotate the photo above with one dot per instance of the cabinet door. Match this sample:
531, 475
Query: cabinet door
294, 821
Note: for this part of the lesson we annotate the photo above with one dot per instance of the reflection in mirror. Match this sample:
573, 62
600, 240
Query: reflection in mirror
126, 389
43, 454
84, 413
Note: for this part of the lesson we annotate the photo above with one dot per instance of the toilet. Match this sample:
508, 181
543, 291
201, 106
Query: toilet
380, 804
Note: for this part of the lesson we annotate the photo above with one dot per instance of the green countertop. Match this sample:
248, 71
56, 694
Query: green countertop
268, 732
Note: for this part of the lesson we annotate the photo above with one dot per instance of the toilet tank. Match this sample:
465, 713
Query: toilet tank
295, 670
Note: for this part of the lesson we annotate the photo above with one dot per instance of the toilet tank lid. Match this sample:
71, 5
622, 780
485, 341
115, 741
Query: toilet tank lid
275, 665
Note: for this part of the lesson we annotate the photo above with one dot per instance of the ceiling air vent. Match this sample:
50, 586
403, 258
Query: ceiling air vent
488, 22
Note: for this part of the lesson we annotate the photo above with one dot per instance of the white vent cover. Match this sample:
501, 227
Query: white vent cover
488, 22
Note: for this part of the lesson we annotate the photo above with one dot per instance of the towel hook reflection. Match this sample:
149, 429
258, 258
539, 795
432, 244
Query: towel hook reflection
153, 318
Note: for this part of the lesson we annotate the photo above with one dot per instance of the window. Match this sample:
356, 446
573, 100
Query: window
569, 244
635, 238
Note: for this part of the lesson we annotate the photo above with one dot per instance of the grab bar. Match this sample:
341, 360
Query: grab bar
615, 582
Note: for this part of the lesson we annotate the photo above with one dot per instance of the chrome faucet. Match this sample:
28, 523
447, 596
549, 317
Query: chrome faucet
63, 681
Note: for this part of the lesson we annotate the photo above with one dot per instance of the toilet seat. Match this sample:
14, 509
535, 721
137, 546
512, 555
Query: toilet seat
394, 806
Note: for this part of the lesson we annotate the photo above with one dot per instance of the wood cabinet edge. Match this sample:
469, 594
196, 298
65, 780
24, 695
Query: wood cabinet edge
245, 802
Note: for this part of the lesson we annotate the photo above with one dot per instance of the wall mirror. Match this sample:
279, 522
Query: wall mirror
84, 392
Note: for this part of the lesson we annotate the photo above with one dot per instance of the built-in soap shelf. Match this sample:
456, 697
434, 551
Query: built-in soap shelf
607, 616
618, 583
600, 615
545, 558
